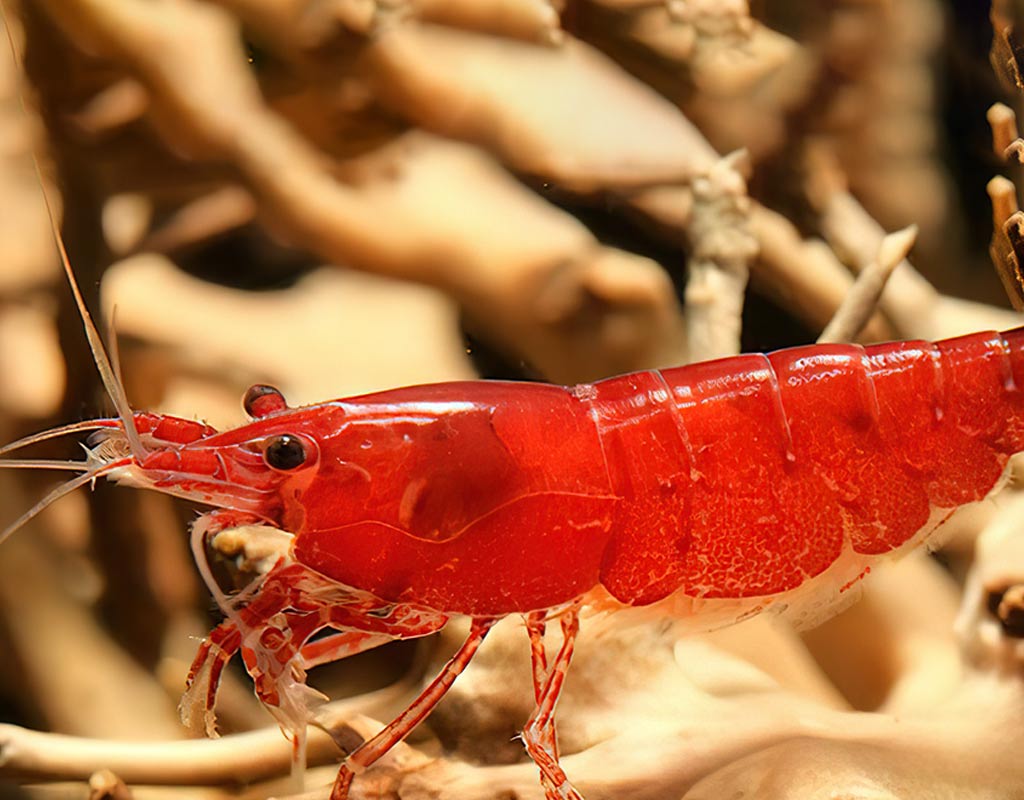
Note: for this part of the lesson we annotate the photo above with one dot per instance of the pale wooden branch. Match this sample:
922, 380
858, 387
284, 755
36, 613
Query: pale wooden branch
804, 276
237, 759
912, 304
205, 217
860, 302
119, 104
989, 631
513, 101
718, 47
507, 103
722, 248
1005, 54
529, 20
100, 691
1006, 248
296, 28
32, 362
26, 244
205, 101
731, 74
218, 333
415, 70
1003, 195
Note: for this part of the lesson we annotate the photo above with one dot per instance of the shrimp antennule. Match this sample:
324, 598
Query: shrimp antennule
53, 433
107, 373
44, 463
59, 491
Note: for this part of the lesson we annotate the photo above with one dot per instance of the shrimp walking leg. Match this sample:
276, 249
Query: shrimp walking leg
204, 675
539, 732
536, 626
272, 627
402, 725
338, 646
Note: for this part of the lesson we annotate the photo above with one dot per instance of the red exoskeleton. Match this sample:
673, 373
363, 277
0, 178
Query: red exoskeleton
716, 489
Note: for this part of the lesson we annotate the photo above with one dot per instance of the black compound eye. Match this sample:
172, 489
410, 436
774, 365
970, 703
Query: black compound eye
284, 452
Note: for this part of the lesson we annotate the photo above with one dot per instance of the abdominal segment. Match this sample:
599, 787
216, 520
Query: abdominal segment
747, 476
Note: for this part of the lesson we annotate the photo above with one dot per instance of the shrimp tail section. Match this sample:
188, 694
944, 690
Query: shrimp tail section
949, 416
790, 464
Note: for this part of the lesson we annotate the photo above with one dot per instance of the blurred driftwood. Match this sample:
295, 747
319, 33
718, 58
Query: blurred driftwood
585, 186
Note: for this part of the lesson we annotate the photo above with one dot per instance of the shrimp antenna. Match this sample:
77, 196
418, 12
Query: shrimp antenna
53, 433
113, 346
44, 463
58, 492
114, 388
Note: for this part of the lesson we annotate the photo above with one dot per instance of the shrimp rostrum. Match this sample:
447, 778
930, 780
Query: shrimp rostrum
713, 490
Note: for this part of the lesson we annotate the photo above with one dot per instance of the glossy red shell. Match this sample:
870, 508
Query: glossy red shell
473, 496
742, 477
735, 478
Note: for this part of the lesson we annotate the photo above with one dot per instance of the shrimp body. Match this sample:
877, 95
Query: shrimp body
738, 478
744, 480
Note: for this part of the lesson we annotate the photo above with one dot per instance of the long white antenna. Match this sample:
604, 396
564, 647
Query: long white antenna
114, 388
53, 433
59, 491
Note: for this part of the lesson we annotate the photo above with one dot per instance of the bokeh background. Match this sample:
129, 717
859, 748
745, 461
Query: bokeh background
341, 196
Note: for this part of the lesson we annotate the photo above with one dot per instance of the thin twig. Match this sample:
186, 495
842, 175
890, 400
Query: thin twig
1003, 122
915, 307
1003, 195
722, 249
1007, 245
803, 275
204, 218
859, 304
107, 785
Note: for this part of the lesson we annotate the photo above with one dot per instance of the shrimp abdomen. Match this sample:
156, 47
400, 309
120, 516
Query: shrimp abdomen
798, 456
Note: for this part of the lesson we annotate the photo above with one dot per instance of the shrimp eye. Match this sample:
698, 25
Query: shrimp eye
262, 400
284, 452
